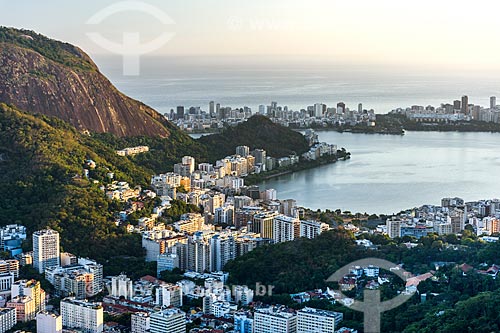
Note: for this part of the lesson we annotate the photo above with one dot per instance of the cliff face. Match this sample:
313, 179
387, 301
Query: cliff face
44, 76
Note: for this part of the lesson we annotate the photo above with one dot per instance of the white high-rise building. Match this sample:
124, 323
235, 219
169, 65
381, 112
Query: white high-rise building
393, 227
140, 322
198, 253
318, 110
263, 224
274, 320
260, 156
82, 314
121, 285
243, 323
188, 160
243, 294
47, 322
93, 267
169, 295
45, 249
222, 250
167, 262
6, 281
168, 320
222, 308
320, 321
262, 109
312, 229
224, 215
243, 151
284, 228
7, 319
270, 194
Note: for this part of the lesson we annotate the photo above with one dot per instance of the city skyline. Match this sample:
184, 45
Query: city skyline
264, 145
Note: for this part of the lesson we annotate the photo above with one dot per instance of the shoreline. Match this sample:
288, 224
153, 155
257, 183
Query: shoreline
389, 124
421, 129
256, 179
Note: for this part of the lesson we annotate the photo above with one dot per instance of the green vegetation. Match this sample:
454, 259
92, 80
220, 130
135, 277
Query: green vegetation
476, 314
256, 132
59, 52
133, 266
295, 266
179, 208
163, 153
42, 161
305, 265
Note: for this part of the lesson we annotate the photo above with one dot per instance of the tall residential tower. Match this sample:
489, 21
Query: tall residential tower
45, 249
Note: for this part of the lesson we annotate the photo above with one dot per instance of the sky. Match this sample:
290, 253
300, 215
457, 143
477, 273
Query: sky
461, 34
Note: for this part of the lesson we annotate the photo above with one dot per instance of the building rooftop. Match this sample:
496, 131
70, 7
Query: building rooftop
20, 299
167, 312
323, 313
48, 313
276, 312
141, 314
83, 303
5, 310
45, 232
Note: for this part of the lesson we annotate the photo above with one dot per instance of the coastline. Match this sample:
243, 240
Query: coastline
388, 124
255, 179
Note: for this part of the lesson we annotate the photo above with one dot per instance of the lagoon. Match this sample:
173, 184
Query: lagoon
389, 173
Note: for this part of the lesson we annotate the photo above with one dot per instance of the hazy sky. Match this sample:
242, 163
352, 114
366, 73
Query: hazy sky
453, 32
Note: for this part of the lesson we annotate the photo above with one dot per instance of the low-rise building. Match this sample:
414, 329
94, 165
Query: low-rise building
168, 320
7, 319
31, 288
320, 321
11, 238
131, 151
24, 306
48, 322
312, 229
167, 262
169, 295
140, 322
6, 281
122, 286
275, 320
78, 314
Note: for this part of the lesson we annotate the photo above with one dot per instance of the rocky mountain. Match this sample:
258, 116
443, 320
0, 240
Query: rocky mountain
44, 76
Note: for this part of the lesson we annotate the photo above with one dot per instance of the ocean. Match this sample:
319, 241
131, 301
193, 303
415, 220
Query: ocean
166, 82
386, 173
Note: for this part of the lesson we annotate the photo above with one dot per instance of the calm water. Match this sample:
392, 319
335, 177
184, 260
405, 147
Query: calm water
386, 173
166, 82
389, 173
